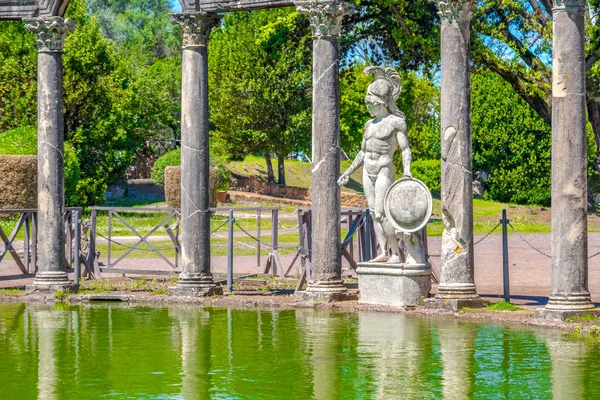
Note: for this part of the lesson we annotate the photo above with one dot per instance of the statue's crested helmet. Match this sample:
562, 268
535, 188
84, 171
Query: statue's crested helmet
385, 88
379, 91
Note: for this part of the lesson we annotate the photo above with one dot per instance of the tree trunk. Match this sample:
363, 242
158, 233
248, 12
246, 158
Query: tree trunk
270, 174
280, 169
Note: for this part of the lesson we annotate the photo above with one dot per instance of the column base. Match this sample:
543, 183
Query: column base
457, 291
560, 308
562, 315
322, 292
454, 296
196, 287
453, 304
48, 282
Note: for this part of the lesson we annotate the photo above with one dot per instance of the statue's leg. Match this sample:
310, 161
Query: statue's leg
369, 185
415, 250
384, 180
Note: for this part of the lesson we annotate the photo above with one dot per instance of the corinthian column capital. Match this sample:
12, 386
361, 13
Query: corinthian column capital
50, 32
325, 16
453, 10
568, 5
195, 27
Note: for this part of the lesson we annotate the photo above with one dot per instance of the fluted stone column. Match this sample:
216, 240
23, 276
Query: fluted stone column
195, 278
457, 283
52, 271
569, 294
325, 283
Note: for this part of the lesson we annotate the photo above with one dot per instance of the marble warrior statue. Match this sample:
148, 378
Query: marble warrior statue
383, 135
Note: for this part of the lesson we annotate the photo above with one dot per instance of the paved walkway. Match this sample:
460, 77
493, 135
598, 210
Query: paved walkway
529, 270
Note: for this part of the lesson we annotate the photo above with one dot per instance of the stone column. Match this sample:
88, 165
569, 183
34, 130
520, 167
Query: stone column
569, 293
325, 282
52, 270
195, 278
457, 283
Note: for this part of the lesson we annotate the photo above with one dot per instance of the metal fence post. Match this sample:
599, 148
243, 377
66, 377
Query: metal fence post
258, 218
505, 274
77, 266
230, 254
274, 243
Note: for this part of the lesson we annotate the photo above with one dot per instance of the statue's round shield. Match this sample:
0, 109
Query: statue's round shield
408, 205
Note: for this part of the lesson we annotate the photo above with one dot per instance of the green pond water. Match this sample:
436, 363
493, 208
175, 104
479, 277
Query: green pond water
114, 351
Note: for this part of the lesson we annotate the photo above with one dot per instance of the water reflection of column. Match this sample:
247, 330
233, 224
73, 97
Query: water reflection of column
194, 325
47, 322
393, 345
457, 343
568, 376
319, 332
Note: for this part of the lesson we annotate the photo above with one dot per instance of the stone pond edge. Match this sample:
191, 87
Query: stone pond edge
271, 302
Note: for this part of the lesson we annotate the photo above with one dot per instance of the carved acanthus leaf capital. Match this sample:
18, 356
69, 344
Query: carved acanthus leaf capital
50, 32
325, 16
452, 10
196, 27
564, 5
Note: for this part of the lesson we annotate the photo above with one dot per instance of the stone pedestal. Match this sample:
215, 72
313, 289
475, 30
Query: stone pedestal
52, 271
196, 278
569, 294
325, 282
457, 280
396, 285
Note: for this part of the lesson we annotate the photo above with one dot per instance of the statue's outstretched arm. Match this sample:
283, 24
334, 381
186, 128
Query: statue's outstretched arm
405, 148
358, 160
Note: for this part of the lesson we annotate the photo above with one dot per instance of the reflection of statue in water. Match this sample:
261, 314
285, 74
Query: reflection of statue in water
383, 135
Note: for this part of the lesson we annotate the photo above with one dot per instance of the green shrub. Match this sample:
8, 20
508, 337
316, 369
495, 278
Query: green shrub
173, 159
170, 159
23, 141
430, 172
19, 142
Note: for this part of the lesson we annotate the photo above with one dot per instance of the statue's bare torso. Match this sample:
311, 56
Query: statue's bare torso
380, 142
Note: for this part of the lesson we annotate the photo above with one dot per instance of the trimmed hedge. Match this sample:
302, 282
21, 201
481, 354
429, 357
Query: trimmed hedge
23, 142
172, 180
173, 159
18, 182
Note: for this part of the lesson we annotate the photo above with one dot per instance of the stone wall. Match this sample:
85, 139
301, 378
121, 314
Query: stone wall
253, 185
18, 182
173, 186
353, 200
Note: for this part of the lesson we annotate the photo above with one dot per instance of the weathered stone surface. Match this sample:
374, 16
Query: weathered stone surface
231, 5
457, 261
408, 205
51, 273
397, 285
562, 315
569, 291
50, 32
195, 277
326, 263
19, 9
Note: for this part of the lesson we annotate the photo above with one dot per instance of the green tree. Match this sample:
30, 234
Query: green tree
18, 83
140, 28
511, 143
259, 75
